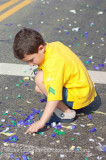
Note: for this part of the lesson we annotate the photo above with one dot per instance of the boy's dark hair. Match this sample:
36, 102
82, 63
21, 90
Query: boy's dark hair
27, 41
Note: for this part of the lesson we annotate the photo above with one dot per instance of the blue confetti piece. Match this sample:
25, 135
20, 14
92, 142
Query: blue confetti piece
101, 65
104, 149
53, 135
27, 153
23, 114
97, 68
24, 157
12, 156
89, 116
75, 38
58, 126
73, 126
92, 130
25, 84
13, 119
42, 100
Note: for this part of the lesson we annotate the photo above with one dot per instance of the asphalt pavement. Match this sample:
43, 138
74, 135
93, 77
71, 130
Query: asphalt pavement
79, 24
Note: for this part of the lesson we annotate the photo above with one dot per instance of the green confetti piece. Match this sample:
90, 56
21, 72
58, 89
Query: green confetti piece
58, 132
21, 81
41, 133
1, 153
98, 7
17, 85
4, 113
19, 96
14, 123
13, 139
10, 36
14, 113
72, 139
8, 30
62, 39
101, 28
25, 71
0, 124
6, 97
90, 6
77, 44
30, 121
86, 159
87, 62
78, 149
28, 158
81, 35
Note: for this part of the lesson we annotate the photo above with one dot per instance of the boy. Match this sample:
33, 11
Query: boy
62, 77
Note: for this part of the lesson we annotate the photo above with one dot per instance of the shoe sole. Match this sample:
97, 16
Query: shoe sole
55, 118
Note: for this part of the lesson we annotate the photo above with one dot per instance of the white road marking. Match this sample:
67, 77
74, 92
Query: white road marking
26, 70
16, 69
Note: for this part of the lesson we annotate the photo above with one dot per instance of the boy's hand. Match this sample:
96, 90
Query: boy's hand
35, 127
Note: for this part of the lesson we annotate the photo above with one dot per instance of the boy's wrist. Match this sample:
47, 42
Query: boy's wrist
42, 122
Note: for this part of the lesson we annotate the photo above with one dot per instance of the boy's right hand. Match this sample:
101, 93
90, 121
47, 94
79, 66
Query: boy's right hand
35, 127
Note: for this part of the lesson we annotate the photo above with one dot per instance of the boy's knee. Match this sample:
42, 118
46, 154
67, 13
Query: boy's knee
38, 90
39, 78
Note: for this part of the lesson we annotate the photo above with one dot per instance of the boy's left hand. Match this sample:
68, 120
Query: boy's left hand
35, 127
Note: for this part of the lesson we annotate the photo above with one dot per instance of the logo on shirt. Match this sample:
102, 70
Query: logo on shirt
51, 90
49, 79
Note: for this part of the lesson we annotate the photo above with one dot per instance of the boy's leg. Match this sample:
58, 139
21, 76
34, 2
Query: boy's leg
40, 88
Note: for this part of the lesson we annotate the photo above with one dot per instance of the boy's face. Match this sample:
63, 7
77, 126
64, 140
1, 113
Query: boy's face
35, 58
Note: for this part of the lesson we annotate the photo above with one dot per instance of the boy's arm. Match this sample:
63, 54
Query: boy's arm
49, 109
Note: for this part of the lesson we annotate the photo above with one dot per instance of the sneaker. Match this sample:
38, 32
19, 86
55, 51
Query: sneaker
59, 116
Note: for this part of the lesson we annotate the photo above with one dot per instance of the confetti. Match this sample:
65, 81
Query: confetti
12, 156
101, 65
72, 148
28, 102
77, 133
97, 68
91, 140
7, 134
73, 11
26, 78
53, 135
99, 112
89, 116
75, 29
92, 130
73, 127
100, 13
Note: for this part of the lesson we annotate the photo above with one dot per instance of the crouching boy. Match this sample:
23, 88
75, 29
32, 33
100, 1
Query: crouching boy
62, 77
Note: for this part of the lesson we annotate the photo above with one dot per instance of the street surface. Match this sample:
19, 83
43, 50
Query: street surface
79, 24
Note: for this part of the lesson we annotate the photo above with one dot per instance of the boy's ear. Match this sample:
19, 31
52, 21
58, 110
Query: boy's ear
41, 49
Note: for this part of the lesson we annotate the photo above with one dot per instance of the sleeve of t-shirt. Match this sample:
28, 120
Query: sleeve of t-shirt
53, 81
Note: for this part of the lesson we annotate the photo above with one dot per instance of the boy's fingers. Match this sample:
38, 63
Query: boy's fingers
27, 131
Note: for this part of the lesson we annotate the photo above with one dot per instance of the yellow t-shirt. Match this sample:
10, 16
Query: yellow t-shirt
62, 68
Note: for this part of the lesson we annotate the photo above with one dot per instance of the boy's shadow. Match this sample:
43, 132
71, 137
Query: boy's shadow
92, 107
